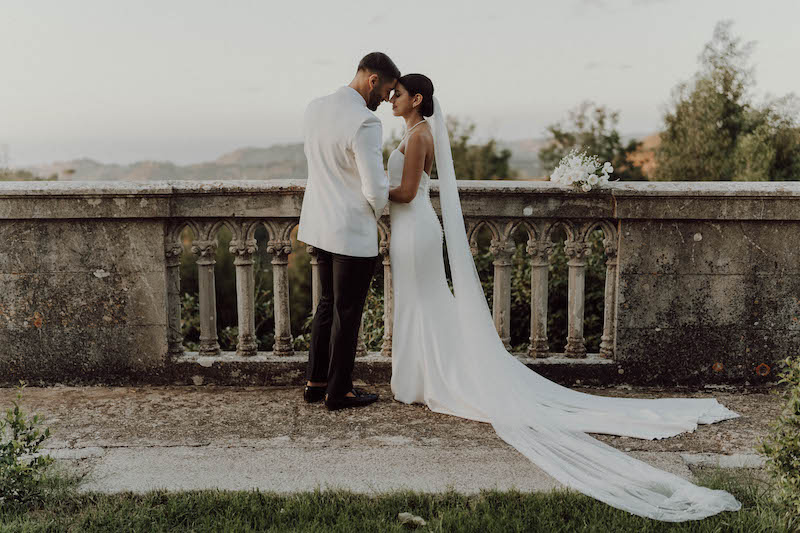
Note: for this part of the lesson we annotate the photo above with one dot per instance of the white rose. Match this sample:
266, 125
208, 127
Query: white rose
586, 187
593, 180
607, 168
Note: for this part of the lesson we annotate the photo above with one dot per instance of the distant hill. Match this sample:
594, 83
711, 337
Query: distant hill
275, 162
252, 163
525, 157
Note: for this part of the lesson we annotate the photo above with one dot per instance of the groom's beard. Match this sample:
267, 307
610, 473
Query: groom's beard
373, 99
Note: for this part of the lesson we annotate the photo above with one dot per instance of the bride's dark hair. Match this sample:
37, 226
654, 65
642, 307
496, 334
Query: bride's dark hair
419, 84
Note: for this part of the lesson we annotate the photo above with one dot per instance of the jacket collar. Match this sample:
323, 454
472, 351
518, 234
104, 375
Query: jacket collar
355, 95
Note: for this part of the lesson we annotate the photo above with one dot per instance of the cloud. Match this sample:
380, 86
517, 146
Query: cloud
594, 65
616, 6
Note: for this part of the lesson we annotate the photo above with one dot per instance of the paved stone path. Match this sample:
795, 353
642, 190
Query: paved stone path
180, 438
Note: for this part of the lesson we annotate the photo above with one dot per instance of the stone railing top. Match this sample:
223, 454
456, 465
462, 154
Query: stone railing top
244, 198
627, 188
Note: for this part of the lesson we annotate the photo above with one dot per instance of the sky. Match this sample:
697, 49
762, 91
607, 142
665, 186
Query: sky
121, 81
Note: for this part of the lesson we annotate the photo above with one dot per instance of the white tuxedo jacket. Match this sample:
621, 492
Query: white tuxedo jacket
347, 186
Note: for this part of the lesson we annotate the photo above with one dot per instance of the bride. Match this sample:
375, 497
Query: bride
446, 352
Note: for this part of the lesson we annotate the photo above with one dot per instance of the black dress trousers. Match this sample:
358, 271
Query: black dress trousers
344, 284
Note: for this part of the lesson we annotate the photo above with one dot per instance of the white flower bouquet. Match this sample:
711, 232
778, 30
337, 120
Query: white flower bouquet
581, 171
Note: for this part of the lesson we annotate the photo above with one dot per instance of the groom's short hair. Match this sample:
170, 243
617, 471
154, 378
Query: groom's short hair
380, 64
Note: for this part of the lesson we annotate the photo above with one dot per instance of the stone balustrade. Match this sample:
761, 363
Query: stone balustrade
702, 279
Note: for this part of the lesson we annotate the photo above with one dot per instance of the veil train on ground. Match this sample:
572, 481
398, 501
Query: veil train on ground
548, 423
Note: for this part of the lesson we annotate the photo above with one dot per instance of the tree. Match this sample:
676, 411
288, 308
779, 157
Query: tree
714, 131
593, 128
22, 175
471, 161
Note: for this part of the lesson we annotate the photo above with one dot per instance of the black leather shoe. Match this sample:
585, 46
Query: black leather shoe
313, 394
361, 399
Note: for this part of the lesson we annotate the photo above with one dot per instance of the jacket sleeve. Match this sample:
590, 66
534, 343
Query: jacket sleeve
369, 160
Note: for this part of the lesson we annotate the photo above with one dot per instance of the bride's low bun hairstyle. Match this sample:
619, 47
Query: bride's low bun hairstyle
419, 84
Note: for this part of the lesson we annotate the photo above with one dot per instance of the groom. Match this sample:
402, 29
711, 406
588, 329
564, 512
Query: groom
346, 192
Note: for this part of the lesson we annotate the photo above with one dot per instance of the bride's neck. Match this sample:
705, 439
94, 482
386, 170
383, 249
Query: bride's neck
412, 120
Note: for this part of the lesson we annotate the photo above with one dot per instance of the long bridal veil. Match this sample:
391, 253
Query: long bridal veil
548, 423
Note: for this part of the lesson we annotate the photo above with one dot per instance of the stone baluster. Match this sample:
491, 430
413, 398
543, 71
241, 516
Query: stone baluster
206, 252
388, 300
245, 295
540, 252
501, 302
280, 250
316, 284
610, 308
576, 253
172, 252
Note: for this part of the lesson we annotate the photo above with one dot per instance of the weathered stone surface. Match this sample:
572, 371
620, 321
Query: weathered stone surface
103, 246
267, 368
81, 300
708, 247
77, 355
670, 301
695, 295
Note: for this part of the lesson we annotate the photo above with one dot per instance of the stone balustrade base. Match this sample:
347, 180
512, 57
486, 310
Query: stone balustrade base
266, 368
270, 369
373, 368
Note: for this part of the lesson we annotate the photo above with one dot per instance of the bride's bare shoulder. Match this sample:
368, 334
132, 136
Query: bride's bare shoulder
423, 137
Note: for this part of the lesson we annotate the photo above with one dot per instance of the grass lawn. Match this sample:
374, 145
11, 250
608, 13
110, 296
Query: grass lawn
321, 511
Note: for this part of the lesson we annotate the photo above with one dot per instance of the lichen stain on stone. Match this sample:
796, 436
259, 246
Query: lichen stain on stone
37, 319
93, 201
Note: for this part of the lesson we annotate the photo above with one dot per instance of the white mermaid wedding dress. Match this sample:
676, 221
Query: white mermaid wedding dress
446, 354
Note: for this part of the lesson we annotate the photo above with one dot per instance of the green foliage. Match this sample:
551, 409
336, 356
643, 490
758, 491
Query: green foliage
190, 321
7, 174
594, 296
715, 133
592, 128
22, 468
476, 161
302, 342
558, 285
782, 446
338, 510
471, 161
373, 316
225, 292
